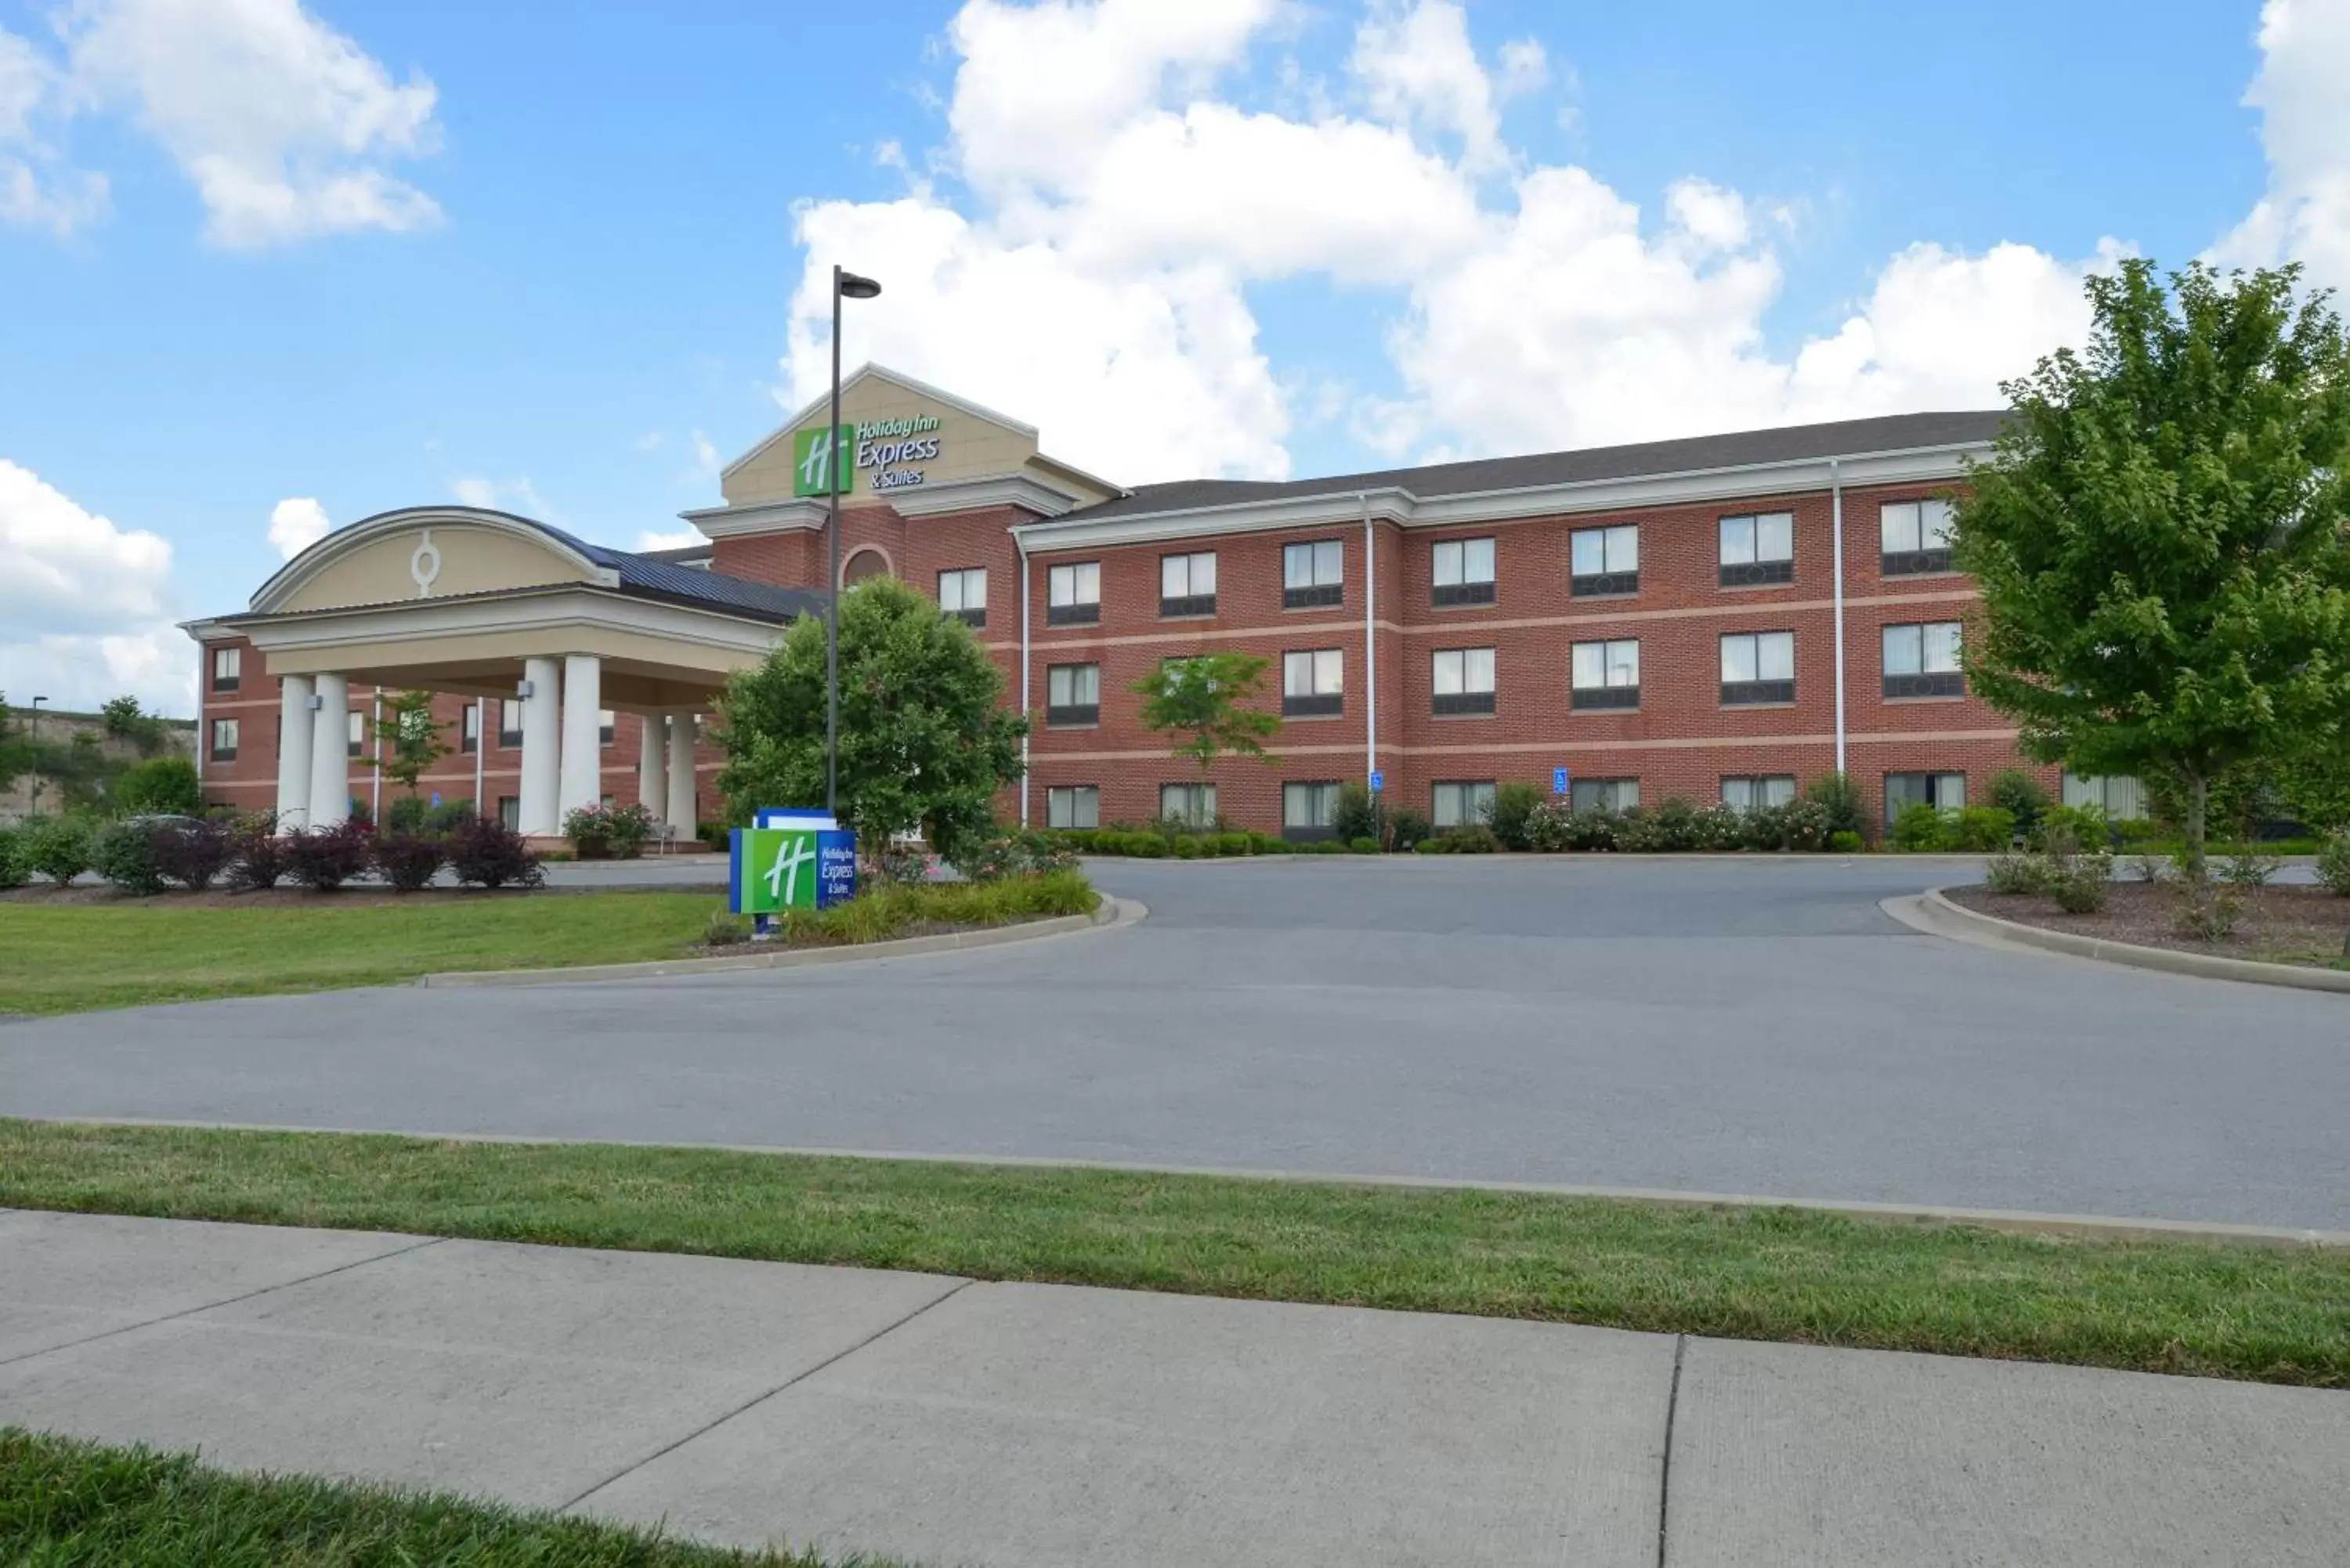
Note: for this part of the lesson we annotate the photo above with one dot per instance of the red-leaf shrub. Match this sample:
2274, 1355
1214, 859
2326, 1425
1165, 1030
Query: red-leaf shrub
323, 859
259, 854
409, 861
192, 855
486, 853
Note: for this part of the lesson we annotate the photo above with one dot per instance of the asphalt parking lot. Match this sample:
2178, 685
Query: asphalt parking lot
1752, 1026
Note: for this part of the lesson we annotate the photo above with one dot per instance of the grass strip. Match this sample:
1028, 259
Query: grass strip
69, 958
2249, 1313
69, 1504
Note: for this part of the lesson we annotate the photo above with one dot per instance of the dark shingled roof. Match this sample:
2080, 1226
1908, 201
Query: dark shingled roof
648, 575
1791, 443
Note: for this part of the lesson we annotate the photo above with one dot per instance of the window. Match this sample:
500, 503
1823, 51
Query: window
1313, 574
2121, 799
1602, 794
1916, 537
605, 722
224, 740
963, 594
1758, 667
510, 812
228, 668
509, 723
1758, 549
1923, 661
1187, 584
1464, 680
354, 732
1193, 805
1073, 694
1752, 792
1943, 791
1604, 675
1073, 805
1604, 561
1309, 811
1464, 571
1312, 684
1460, 802
469, 735
1073, 594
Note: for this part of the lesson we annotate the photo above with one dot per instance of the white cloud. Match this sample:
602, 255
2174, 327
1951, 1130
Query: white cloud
36, 190
295, 523
83, 604
706, 460
2306, 130
1416, 67
282, 123
676, 539
516, 495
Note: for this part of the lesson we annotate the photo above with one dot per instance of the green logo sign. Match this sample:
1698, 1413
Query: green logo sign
814, 467
779, 868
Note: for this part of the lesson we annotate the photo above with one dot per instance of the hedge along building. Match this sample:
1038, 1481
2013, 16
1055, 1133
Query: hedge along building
1717, 618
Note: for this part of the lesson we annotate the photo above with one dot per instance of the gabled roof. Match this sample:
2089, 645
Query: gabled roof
868, 371
1744, 449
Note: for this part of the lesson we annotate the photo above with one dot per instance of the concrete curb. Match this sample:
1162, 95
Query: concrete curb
1112, 912
1931, 912
2076, 1226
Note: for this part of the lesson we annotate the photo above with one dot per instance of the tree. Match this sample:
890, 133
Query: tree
414, 736
925, 740
2160, 537
164, 785
125, 721
1198, 700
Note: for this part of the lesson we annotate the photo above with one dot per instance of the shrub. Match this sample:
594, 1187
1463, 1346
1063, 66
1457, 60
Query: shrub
2081, 888
1409, 829
1672, 829
124, 854
1187, 849
1918, 828
1598, 831
159, 785
2016, 874
1809, 826
485, 853
323, 859
1982, 829
14, 872
591, 830
1469, 839
1550, 826
1719, 827
2085, 825
2248, 867
1023, 853
1146, 845
2207, 912
59, 849
193, 853
407, 861
2332, 862
1364, 846
1359, 814
725, 930
1846, 841
1514, 804
258, 853
415, 813
2022, 797
1838, 795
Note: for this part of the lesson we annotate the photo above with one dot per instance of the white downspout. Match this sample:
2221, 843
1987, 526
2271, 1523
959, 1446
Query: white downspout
481, 750
1835, 501
1021, 545
375, 734
1370, 648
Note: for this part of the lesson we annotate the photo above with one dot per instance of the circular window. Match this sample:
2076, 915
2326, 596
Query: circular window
861, 565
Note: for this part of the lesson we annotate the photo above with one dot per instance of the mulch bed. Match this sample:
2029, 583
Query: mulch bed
2280, 925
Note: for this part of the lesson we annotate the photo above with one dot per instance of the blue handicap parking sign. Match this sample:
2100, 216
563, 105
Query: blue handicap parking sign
1378, 781
1558, 781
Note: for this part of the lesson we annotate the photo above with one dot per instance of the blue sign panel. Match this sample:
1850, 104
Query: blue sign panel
1558, 781
1378, 781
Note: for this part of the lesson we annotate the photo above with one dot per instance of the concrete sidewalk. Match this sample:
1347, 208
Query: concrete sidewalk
951, 1422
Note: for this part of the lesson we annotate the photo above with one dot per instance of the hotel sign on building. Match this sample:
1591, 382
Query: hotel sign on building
1719, 617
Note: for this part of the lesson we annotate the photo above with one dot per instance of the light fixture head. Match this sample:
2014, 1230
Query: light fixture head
855, 287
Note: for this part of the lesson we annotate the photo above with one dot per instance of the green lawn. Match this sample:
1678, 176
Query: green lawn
68, 1504
68, 957
2267, 1314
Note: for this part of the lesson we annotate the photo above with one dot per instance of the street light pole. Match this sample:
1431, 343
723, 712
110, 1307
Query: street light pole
34, 733
845, 286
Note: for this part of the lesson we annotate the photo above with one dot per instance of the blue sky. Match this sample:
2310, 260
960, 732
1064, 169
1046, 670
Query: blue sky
350, 257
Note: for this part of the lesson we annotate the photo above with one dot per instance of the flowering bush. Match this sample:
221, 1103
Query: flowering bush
619, 832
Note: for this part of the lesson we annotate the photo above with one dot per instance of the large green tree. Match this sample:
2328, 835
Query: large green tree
1202, 701
2160, 535
925, 740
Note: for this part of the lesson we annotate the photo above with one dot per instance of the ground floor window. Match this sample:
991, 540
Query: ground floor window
2121, 799
509, 723
1943, 791
1602, 794
1459, 802
1073, 805
1193, 805
1752, 792
469, 740
1309, 810
510, 810
354, 733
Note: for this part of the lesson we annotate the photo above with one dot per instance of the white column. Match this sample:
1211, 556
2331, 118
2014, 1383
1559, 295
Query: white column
330, 757
680, 771
541, 766
295, 723
583, 754
652, 769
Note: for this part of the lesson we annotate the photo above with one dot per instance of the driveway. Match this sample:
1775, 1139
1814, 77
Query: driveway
1752, 1026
